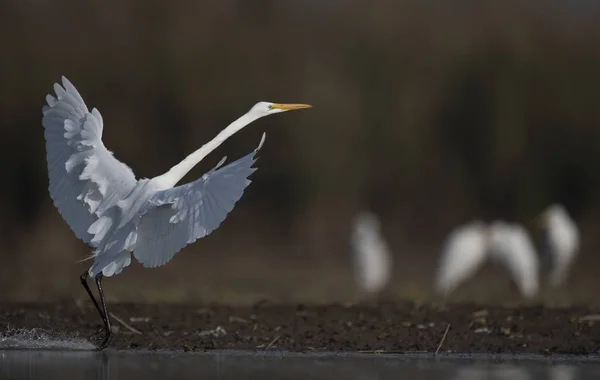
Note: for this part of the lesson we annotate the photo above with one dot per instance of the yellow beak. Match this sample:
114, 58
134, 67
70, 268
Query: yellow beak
290, 107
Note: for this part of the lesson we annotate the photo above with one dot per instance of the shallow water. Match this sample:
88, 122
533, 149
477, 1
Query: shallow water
151, 365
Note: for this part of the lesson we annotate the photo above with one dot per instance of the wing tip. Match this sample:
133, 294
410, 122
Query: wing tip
221, 162
66, 83
58, 86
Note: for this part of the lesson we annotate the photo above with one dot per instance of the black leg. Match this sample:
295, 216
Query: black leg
83, 279
107, 330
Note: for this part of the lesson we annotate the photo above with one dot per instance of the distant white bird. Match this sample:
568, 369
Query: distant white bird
467, 248
510, 246
372, 258
464, 252
560, 243
108, 208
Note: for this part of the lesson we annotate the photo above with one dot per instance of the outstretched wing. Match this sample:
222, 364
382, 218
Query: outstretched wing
179, 216
85, 178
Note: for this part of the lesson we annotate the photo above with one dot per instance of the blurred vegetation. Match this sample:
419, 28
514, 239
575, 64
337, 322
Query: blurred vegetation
428, 113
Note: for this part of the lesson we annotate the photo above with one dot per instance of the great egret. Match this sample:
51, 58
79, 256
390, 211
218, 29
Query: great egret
106, 207
512, 248
560, 243
467, 248
464, 252
372, 258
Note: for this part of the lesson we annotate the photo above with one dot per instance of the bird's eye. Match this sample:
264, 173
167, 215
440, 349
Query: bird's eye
270, 106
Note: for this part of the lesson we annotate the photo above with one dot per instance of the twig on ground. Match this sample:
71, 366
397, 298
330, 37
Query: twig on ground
443, 338
272, 342
160, 336
128, 327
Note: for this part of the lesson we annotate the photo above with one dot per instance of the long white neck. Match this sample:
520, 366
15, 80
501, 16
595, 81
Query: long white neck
177, 172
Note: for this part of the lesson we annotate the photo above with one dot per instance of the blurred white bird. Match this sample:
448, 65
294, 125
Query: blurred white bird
560, 243
464, 252
467, 248
108, 208
372, 258
512, 248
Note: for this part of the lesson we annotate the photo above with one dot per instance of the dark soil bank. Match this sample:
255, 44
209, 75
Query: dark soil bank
398, 327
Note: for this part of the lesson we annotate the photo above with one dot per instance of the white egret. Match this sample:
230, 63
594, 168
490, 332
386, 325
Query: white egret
512, 248
560, 243
467, 248
372, 258
117, 214
464, 252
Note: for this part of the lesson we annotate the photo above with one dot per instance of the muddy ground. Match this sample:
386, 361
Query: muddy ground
396, 327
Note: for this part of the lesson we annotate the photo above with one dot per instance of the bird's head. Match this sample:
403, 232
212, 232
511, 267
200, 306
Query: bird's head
367, 221
261, 109
551, 213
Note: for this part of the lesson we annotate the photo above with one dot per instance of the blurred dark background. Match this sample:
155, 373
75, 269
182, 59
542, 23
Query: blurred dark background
428, 113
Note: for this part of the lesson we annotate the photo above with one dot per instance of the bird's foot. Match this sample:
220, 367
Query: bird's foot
99, 335
105, 342
105, 338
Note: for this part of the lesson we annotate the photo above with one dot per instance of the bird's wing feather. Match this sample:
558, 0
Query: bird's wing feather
179, 216
85, 178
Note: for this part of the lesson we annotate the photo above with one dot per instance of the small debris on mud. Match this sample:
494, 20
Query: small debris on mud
385, 327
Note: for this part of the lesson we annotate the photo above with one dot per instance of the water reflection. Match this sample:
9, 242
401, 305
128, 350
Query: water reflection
495, 372
111, 365
512, 372
563, 372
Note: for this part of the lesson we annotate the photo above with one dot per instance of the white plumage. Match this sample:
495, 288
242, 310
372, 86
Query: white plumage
85, 178
103, 203
467, 248
464, 252
372, 258
182, 215
105, 206
561, 242
510, 245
